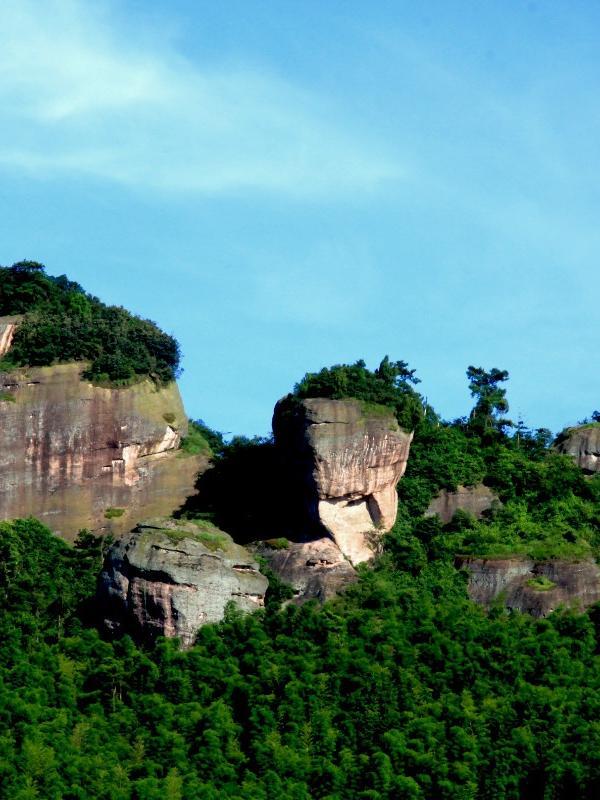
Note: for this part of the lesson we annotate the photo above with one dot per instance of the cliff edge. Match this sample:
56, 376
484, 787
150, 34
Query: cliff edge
583, 445
170, 577
349, 456
77, 455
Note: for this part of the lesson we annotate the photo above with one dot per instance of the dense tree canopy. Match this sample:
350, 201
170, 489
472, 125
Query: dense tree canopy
63, 323
391, 384
402, 688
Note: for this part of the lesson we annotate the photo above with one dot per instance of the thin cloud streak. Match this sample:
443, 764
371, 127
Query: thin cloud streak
77, 99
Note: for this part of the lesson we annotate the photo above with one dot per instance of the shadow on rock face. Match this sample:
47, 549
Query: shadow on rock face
250, 493
254, 492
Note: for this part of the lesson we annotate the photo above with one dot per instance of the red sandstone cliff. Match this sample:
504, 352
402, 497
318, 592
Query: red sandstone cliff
78, 456
350, 457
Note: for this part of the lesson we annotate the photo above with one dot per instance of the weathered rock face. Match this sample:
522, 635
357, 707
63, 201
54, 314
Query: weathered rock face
350, 459
170, 577
583, 444
473, 499
8, 326
534, 587
81, 456
314, 569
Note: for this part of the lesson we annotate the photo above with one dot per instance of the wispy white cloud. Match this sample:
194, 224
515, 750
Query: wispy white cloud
80, 96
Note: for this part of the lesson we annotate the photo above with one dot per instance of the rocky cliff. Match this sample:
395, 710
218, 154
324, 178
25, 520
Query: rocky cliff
170, 577
78, 456
316, 569
473, 499
583, 444
8, 326
349, 457
534, 587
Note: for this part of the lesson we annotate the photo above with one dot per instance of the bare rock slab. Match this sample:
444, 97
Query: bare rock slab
583, 444
170, 577
77, 455
315, 569
473, 499
350, 456
537, 588
8, 326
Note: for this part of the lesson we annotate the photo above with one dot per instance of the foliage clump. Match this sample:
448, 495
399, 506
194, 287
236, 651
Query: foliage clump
390, 385
547, 508
113, 513
61, 322
201, 440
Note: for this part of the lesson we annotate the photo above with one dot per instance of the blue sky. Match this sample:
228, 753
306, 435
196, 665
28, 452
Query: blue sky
285, 185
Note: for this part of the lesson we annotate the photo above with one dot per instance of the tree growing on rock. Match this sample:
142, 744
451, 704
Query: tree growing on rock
490, 400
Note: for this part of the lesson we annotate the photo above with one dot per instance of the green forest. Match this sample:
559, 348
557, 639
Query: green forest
399, 689
61, 322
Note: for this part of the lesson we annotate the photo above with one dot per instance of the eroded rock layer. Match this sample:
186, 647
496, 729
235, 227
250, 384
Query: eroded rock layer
350, 457
170, 577
583, 444
537, 588
82, 456
473, 499
315, 569
8, 325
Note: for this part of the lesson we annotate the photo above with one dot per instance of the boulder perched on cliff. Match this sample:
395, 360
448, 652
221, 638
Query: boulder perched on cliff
583, 444
316, 569
473, 499
170, 577
349, 456
535, 587
77, 455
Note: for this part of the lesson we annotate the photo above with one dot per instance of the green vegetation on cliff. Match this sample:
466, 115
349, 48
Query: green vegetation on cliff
62, 323
401, 689
390, 385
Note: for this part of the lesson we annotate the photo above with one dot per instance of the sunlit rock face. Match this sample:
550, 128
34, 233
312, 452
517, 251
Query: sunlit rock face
79, 456
349, 457
8, 326
170, 577
583, 444
316, 569
535, 587
473, 499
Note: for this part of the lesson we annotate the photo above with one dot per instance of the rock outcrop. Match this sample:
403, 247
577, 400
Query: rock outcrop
315, 569
349, 456
8, 326
170, 577
583, 444
535, 587
473, 499
79, 456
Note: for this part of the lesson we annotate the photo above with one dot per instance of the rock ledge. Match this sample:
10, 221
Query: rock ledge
170, 577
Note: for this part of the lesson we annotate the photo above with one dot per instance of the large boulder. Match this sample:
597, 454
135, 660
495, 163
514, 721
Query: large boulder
79, 456
315, 569
170, 577
536, 587
583, 444
349, 456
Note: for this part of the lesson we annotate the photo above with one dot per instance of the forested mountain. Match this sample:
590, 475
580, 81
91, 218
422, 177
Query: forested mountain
400, 687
